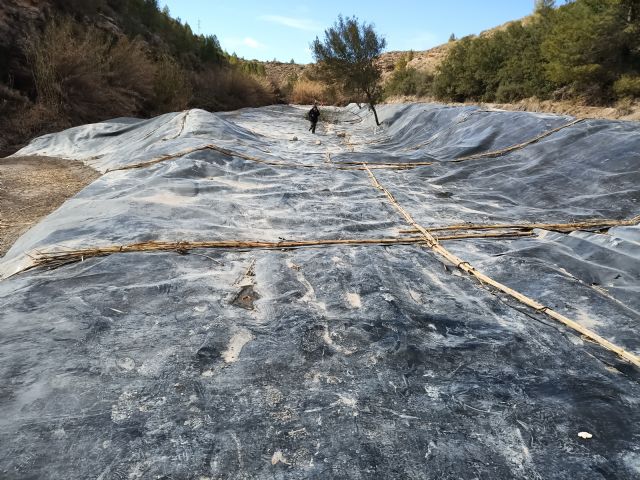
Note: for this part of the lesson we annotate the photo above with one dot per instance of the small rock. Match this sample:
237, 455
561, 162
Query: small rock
278, 457
294, 139
126, 363
341, 134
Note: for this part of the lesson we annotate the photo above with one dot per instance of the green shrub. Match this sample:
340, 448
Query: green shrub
580, 49
627, 86
409, 81
510, 92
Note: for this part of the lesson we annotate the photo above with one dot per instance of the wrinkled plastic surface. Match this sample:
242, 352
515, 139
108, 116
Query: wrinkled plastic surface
332, 362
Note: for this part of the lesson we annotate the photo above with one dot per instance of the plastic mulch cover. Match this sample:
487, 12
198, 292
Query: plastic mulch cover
341, 360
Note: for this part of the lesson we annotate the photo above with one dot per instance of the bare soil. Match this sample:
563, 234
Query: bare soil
33, 187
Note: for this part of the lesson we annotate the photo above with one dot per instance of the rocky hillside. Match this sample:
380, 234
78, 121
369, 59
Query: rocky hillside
18, 20
279, 73
426, 60
429, 60
423, 60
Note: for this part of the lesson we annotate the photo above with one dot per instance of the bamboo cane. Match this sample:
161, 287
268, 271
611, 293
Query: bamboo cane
273, 163
70, 256
595, 223
504, 151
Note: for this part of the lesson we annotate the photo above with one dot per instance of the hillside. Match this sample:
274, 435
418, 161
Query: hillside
279, 73
581, 58
425, 60
70, 62
65, 63
429, 60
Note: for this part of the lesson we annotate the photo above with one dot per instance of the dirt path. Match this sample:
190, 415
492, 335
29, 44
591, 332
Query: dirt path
32, 187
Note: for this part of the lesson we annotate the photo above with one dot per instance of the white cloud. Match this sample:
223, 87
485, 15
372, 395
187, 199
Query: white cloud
291, 22
252, 43
232, 43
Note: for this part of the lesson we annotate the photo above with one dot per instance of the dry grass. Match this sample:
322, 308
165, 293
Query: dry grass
81, 75
626, 107
230, 89
84, 75
54, 259
172, 90
306, 92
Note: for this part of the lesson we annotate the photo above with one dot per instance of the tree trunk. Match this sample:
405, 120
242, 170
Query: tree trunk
375, 114
372, 106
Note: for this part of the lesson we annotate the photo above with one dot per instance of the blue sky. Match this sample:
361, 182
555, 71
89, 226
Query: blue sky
281, 29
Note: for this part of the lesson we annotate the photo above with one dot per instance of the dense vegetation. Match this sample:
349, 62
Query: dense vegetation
144, 18
89, 60
587, 50
406, 80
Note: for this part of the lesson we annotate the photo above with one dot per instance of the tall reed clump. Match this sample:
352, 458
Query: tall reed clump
229, 89
171, 89
306, 91
82, 74
85, 75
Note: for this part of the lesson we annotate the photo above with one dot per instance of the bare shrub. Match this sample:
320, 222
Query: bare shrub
172, 90
131, 74
624, 106
86, 75
229, 89
305, 92
25, 121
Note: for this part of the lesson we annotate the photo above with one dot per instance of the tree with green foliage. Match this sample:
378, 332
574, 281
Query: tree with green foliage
522, 75
591, 44
407, 80
347, 56
586, 49
543, 6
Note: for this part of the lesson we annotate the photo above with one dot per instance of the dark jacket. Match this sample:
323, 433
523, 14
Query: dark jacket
314, 114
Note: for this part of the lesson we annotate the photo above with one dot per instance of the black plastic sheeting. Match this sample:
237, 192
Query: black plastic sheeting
329, 362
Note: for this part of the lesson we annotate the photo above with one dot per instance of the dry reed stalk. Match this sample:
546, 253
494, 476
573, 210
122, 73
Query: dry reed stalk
232, 153
434, 245
595, 223
390, 165
460, 236
46, 258
71, 256
504, 151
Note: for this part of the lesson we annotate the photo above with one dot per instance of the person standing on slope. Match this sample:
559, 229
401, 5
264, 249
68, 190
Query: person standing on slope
314, 115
